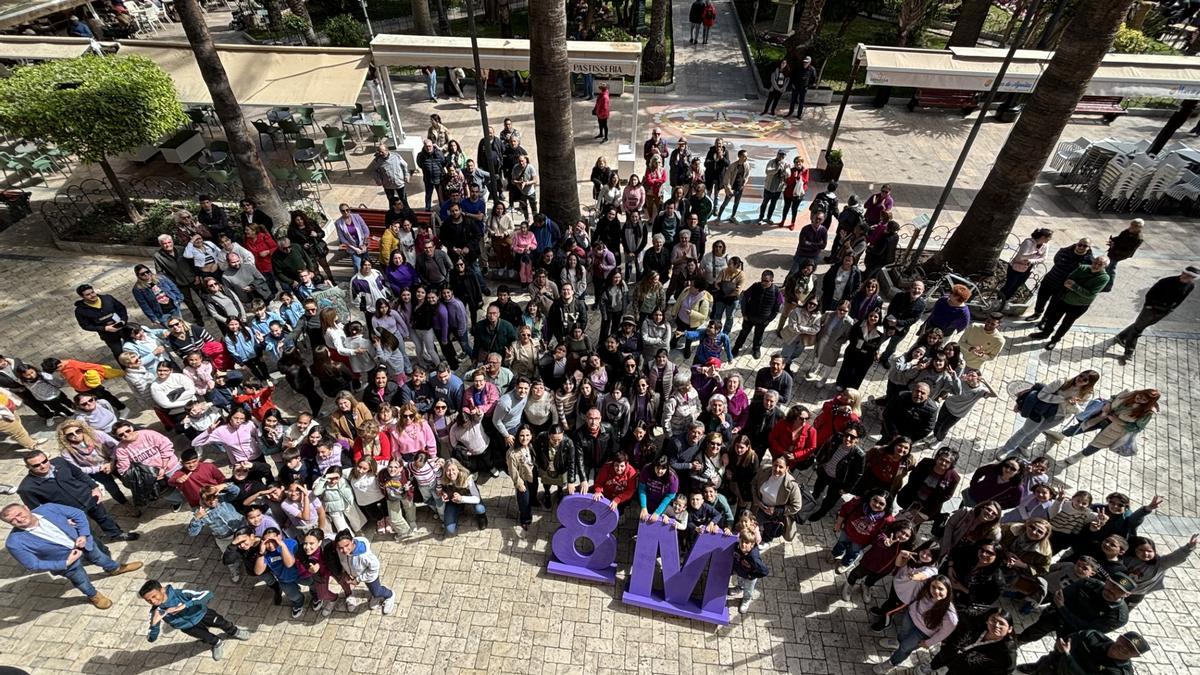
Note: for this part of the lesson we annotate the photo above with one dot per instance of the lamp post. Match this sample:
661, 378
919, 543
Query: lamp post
480, 83
367, 17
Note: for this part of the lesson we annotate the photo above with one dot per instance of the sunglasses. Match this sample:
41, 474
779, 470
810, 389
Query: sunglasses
86, 401
41, 463
852, 437
75, 432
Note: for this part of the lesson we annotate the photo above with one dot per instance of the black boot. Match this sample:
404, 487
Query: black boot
481, 521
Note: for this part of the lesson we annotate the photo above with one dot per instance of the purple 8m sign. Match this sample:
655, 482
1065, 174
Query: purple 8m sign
656, 542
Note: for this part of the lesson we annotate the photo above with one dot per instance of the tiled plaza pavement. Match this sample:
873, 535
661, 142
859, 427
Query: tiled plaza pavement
482, 602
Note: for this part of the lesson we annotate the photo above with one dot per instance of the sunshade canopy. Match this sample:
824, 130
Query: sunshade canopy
17, 12
596, 58
41, 47
265, 76
974, 69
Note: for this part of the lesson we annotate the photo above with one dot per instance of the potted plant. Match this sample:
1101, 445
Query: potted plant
830, 164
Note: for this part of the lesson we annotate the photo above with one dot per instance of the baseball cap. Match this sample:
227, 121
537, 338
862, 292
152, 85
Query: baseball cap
1139, 643
1123, 581
714, 362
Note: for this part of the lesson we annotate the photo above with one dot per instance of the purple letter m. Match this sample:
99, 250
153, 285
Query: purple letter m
714, 551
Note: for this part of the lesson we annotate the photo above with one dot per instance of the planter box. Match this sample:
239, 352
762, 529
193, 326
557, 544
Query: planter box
182, 146
819, 96
143, 154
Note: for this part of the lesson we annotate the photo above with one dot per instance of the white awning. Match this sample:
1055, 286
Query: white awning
42, 47
18, 12
974, 69
596, 58
265, 75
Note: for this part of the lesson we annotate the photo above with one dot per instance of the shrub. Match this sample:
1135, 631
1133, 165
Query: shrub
1130, 41
344, 30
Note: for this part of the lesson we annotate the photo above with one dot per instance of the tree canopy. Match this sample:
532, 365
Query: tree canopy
91, 106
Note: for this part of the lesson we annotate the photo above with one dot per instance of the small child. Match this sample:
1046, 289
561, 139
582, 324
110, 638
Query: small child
879, 560
189, 612
677, 513
46, 389
200, 371
1113, 547
290, 310
294, 470
297, 431
747, 522
1067, 518
721, 504
362, 357
226, 385
308, 285
748, 565
1063, 574
956, 406
397, 484
425, 473
275, 343
701, 517
1036, 504
260, 318
256, 397
201, 417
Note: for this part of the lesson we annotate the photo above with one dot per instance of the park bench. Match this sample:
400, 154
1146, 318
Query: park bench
966, 101
375, 220
1107, 106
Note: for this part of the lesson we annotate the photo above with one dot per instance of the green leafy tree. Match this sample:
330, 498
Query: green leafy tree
93, 107
344, 30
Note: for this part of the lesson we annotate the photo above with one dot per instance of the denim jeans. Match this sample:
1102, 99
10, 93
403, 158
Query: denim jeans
378, 590
736, 195
291, 589
791, 351
432, 499
723, 309
909, 637
431, 85
747, 586
525, 500
450, 516
847, 549
1028, 433
430, 186
78, 576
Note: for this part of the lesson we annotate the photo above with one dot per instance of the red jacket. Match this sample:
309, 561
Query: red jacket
603, 107
859, 528
261, 243
709, 17
827, 423
616, 487
384, 448
796, 178
796, 447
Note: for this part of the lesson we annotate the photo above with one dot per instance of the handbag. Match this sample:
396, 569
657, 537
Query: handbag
1127, 446
1033, 408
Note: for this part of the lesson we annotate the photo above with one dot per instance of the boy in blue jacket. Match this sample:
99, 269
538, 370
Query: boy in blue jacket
189, 612
748, 565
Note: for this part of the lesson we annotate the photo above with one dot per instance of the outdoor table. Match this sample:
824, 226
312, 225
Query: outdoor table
306, 155
276, 114
211, 158
25, 148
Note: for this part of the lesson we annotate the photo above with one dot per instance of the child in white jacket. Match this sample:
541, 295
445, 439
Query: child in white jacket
361, 565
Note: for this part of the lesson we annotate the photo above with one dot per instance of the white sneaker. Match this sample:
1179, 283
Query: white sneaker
236, 577
884, 666
327, 608
389, 605
745, 604
847, 589
351, 604
889, 643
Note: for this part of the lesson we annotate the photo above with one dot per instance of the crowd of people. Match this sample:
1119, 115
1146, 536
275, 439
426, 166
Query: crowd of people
416, 389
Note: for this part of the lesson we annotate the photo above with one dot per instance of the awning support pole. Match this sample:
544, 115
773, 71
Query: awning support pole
837, 122
389, 97
983, 109
637, 93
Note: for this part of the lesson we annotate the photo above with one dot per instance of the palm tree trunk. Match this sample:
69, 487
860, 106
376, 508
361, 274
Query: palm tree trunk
443, 18
300, 9
421, 18
970, 22
255, 179
550, 77
979, 240
654, 63
805, 32
275, 15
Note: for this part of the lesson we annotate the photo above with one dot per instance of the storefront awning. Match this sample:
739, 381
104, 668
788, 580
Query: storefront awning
974, 69
596, 58
265, 76
42, 48
18, 12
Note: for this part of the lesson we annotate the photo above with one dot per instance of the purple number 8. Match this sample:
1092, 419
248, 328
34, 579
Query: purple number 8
599, 533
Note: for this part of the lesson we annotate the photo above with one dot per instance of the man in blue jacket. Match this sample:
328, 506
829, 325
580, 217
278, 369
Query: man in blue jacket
57, 539
189, 612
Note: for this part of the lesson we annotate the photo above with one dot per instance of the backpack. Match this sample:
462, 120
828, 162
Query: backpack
142, 481
1033, 408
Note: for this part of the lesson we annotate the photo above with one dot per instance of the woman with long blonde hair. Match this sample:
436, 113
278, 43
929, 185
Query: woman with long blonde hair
92, 451
458, 490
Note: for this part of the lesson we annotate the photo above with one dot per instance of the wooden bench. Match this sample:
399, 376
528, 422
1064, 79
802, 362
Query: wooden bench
966, 101
376, 223
1107, 106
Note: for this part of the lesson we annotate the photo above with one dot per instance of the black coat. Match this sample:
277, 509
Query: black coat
558, 325
906, 417
69, 486
906, 311
596, 451
111, 311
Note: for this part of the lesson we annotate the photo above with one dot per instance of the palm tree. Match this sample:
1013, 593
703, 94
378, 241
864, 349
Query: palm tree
255, 180
421, 17
654, 61
805, 32
300, 9
979, 240
971, 17
550, 76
